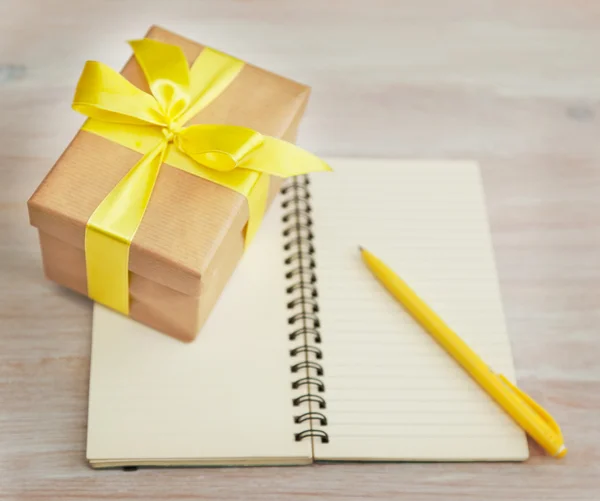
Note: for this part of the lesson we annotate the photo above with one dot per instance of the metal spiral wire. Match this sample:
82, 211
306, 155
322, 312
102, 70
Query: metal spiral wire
304, 308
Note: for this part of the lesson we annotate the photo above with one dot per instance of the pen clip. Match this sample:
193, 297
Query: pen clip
543, 413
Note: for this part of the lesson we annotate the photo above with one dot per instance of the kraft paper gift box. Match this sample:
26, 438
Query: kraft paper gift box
191, 236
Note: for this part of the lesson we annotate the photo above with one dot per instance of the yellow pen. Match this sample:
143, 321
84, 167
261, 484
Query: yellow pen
529, 415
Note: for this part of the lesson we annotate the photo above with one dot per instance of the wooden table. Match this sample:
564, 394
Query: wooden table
514, 84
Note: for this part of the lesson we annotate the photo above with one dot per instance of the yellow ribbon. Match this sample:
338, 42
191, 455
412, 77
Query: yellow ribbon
154, 125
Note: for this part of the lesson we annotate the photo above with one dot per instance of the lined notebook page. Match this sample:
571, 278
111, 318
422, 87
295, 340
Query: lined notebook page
223, 399
392, 393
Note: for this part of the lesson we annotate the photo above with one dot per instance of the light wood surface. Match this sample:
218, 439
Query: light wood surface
514, 84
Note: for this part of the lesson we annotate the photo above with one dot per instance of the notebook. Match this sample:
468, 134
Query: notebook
306, 358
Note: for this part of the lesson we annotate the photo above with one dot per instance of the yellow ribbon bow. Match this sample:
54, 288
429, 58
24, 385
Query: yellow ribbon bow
154, 125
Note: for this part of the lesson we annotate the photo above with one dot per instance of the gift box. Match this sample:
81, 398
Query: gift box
195, 219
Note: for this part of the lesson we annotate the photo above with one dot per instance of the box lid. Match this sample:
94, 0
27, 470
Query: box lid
188, 217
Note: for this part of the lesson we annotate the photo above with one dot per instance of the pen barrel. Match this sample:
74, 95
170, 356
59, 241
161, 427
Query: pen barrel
526, 417
511, 402
513, 405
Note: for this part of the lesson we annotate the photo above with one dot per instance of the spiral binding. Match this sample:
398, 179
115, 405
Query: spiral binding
303, 306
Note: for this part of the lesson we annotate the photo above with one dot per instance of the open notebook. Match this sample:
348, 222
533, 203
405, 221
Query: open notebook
306, 357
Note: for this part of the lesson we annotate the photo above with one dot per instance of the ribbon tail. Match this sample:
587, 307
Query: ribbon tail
111, 228
283, 159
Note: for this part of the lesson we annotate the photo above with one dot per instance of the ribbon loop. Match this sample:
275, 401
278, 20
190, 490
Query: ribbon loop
167, 73
211, 73
106, 95
220, 147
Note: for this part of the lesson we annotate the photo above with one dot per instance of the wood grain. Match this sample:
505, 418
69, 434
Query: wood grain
514, 84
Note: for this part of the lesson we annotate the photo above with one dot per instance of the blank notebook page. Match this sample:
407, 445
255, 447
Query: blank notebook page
391, 391
223, 399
